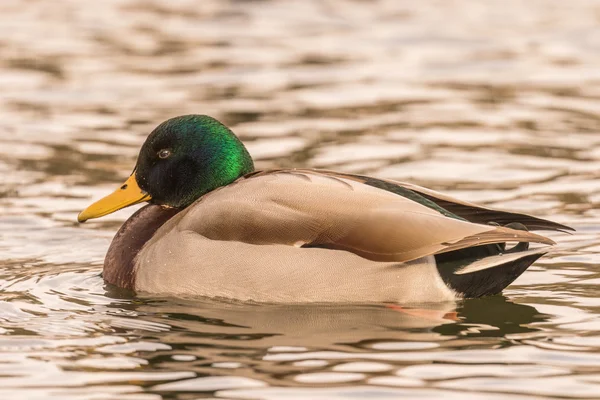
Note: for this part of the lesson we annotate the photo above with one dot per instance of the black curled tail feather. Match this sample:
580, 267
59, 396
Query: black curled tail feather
488, 281
485, 280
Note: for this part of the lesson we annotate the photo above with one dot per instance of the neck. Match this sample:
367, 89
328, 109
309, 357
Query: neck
119, 264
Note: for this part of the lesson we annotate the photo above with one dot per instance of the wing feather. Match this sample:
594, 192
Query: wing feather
463, 209
284, 207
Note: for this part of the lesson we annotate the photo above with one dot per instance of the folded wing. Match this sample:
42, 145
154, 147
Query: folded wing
319, 209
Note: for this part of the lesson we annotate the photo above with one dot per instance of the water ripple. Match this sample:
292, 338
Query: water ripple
493, 102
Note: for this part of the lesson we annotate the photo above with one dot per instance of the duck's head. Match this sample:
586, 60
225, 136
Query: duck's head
182, 159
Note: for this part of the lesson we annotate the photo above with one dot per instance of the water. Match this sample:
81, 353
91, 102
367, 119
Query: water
495, 102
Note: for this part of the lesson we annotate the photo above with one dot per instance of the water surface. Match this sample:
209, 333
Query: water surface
495, 102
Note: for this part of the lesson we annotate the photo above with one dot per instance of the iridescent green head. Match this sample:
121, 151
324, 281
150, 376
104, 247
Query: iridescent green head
182, 159
188, 156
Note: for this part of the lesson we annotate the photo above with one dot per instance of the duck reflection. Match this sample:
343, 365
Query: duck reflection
492, 316
208, 323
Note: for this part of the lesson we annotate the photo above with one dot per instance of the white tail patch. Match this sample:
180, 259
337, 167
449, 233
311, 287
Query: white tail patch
494, 261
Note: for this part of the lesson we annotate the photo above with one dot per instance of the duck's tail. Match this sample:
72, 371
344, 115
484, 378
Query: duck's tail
486, 270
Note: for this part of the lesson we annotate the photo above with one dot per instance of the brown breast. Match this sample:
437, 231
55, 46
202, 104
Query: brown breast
136, 231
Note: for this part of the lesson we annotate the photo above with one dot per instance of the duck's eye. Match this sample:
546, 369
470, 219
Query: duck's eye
164, 153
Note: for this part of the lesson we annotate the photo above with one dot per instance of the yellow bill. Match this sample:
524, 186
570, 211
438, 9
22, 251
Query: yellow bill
127, 195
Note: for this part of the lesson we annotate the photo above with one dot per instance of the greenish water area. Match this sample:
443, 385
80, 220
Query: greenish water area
494, 102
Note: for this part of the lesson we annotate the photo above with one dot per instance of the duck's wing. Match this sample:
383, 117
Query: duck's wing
305, 208
484, 215
455, 207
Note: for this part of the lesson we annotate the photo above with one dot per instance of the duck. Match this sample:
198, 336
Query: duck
216, 227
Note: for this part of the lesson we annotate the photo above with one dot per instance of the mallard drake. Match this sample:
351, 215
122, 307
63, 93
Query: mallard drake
216, 227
